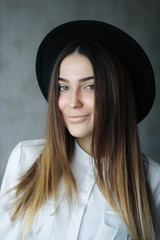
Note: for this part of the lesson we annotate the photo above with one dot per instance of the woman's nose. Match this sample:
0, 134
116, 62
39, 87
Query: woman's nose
75, 99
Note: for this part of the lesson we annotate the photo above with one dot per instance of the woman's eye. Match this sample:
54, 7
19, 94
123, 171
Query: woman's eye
63, 88
90, 87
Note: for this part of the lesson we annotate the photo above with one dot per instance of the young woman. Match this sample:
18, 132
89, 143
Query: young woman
88, 180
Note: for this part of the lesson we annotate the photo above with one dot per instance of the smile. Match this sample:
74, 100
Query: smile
77, 119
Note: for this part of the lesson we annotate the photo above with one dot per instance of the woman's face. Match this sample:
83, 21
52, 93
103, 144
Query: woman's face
76, 96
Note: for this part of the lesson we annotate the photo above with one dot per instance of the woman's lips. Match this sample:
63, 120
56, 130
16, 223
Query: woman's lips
77, 119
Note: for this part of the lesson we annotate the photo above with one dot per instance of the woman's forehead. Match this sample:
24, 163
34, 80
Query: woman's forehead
76, 65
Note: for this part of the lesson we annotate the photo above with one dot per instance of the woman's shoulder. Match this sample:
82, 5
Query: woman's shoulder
31, 144
30, 147
153, 173
27, 151
21, 158
153, 167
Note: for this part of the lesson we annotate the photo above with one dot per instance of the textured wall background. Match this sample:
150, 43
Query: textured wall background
24, 23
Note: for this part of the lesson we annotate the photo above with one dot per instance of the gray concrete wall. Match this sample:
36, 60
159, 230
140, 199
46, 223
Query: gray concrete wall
23, 24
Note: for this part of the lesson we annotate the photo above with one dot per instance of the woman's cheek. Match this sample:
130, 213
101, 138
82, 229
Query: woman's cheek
61, 103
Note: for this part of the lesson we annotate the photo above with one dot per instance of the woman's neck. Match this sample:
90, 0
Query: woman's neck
85, 144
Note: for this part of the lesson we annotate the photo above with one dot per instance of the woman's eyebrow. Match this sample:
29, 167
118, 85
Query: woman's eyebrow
81, 79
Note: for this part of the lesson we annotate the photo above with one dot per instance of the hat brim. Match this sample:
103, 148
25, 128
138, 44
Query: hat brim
110, 37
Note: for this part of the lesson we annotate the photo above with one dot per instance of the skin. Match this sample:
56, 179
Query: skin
76, 97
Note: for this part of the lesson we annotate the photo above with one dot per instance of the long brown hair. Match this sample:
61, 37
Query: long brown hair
118, 161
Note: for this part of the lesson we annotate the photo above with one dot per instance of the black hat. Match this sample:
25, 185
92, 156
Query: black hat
110, 37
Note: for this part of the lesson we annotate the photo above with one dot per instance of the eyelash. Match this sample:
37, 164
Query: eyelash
65, 88
91, 85
62, 87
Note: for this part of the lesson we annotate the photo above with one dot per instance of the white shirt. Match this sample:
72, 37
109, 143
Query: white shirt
91, 219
